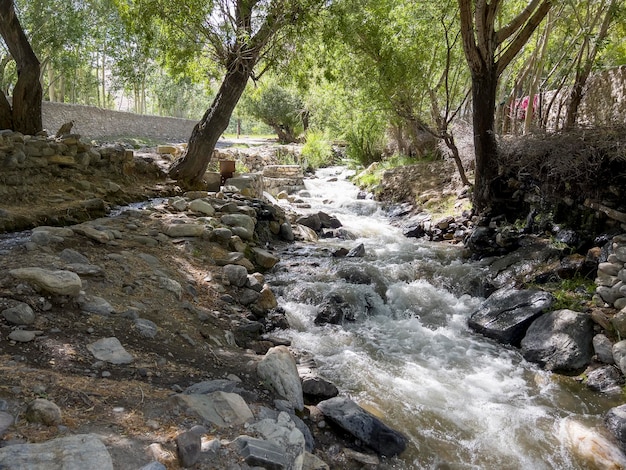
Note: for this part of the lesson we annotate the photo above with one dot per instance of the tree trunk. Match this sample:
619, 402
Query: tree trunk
27, 94
190, 169
486, 150
6, 116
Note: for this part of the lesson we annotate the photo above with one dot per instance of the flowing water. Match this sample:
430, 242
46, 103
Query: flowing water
462, 400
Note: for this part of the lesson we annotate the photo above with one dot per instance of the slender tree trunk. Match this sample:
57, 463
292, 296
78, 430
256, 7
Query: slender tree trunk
27, 94
190, 169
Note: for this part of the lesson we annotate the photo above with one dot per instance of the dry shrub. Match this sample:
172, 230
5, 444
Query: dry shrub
582, 163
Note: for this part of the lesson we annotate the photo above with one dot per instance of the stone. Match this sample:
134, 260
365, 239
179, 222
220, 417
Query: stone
328, 221
54, 282
560, 341
590, 446
210, 386
364, 426
264, 258
278, 368
219, 408
261, 453
266, 300
311, 221
318, 387
178, 203
188, 446
356, 252
286, 232
619, 355
610, 269
199, 205
603, 348
154, 466
605, 379
22, 336
283, 432
81, 451
110, 350
43, 411
313, 462
235, 275
19, 314
96, 305
6, 421
146, 328
222, 234
93, 233
72, 256
507, 313
615, 421
183, 230
172, 286
239, 220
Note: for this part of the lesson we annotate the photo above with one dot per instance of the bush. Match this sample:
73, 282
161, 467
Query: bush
316, 151
366, 144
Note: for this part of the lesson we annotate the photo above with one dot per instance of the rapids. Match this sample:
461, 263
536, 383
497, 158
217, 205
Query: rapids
464, 401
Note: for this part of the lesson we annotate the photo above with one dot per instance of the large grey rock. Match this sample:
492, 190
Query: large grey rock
239, 220
619, 355
19, 314
110, 350
364, 426
201, 206
264, 258
560, 341
184, 230
311, 221
507, 313
146, 328
615, 420
73, 257
54, 282
23, 336
235, 275
219, 408
284, 432
79, 452
605, 379
279, 369
96, 305
603, 348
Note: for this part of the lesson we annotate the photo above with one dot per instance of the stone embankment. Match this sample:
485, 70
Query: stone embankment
145, 339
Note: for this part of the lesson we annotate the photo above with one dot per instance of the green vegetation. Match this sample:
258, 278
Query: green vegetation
573, 294
317, 151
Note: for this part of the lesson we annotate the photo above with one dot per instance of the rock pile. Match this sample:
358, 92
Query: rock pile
611, 279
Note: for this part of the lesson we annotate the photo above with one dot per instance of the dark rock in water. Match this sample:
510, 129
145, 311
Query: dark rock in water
312, 221
329, 221
357, 252
606, 379
334, 310
340, 252
507, 313
615, 421
567, 236
317, 387
560, 341
364, 426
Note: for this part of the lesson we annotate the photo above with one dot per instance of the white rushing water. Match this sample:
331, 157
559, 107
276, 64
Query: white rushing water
462, 400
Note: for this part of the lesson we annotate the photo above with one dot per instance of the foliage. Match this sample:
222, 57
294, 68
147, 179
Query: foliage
317, 151
279, 108
573, 294
366, 141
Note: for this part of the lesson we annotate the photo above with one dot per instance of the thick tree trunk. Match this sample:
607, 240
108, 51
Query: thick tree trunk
190, 169
6, 116
27, 94
486, 150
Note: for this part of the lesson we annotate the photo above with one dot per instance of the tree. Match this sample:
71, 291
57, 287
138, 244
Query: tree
24, 113
238, 34
488, 52
279, 108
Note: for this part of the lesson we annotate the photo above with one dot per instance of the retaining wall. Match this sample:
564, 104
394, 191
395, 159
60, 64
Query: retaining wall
93, 123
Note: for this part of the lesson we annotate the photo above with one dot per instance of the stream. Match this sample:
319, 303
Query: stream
463, 401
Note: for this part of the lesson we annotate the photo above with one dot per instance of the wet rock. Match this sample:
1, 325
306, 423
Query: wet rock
54, 282
357, 252
82, 451
329, 221
110, 350
266, 300
364, 426
19, 314
286, 232
507, 313
43, 411
560, 341
318, 387
311, 221
188, 446
605, 379
615, 421
221, 409
619, 355
279, 369
590, 446
334, 310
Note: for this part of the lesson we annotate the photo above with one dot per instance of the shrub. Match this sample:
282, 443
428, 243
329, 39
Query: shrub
316, 151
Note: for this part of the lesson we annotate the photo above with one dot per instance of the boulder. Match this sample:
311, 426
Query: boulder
560, 341
183, 230
235, 275
264, 258
364, 426
619, 355
605, 379
239, 220
110, 350
311, 221
222, 409
507, 313
19, 314
53, 282
615, 421
279, 369
81, 451
603, 348
43, 411
199, 205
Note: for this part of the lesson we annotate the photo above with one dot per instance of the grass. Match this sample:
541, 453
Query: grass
573, 294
